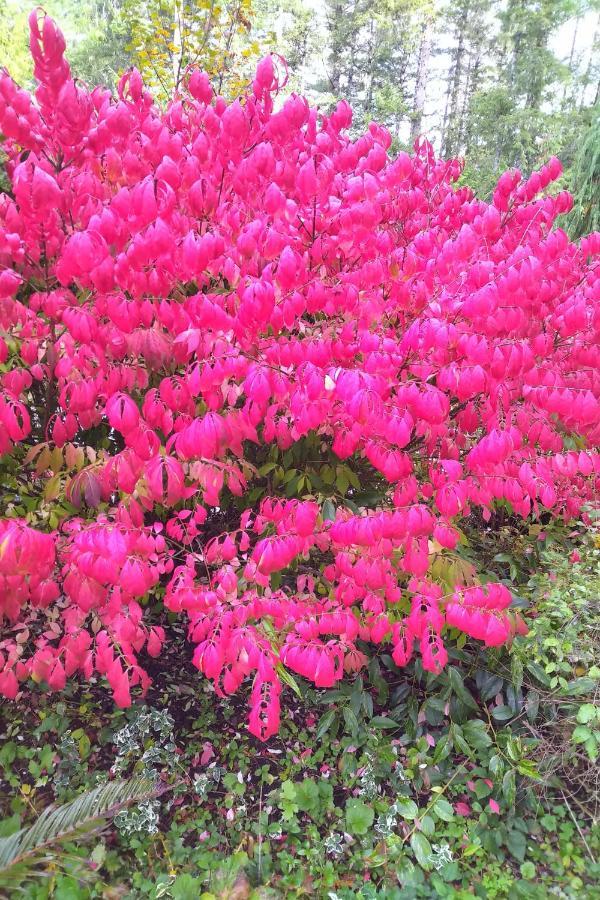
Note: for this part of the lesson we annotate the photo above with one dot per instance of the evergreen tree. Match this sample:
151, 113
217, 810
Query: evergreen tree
512, 94
590, 76
293, 29
516, 116
373, 56
468, 21
584, 179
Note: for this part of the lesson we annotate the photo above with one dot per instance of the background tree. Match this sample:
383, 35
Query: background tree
300, 36
425, 46
99, 33
168, 36
14, 38
590, 77
585, 181
502, 84
516, 115
373, 58
470, 20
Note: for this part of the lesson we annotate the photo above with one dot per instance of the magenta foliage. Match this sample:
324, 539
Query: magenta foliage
212, 277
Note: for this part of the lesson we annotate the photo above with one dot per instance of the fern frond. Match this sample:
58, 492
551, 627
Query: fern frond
79, 815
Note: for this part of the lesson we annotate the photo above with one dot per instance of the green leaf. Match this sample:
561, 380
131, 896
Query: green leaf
98, 854
527, 768
496, 765
516, 671
458, 740
325, 723
307, 796
442, 749
517, 844
383, 722
287, 800
328, 511
352, 478
482, 789
408, 809
369, 498
509, 787
587, 713
457, 685
84, 745
367, 705
579, 686
186, 887
8, 753
350, 720
581, 734
538, 673
489, 685
287, 790
502, 713
528, 870
359, 816
427, 824
288, 679
342, 481
443, 810
9, 826
532, 705
328, 476
591, 746
476, 735
52, 488
422, 849
325, 794
356, 697
334, 695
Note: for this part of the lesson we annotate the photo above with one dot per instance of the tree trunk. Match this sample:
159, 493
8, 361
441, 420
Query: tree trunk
178, 13
570, 63
461, 131
472, 88
371, 56
421, 79
336, 47
588, 72
534, 94
453, 115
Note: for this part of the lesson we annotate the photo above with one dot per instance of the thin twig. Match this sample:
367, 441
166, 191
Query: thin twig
581, 834
260, 832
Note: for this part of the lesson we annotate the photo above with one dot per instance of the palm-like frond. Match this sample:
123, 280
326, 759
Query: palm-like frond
585, 182
56, 823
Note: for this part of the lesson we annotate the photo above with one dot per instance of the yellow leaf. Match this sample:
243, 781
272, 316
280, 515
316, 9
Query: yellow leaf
3, 546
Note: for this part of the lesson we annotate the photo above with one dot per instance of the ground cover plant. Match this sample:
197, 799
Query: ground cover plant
267, 395
399, 784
